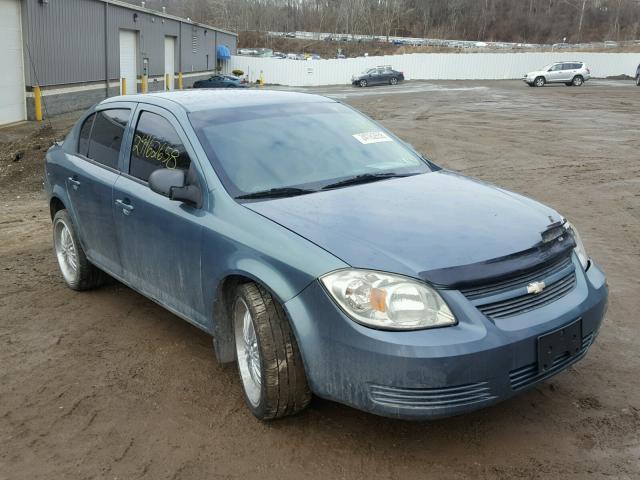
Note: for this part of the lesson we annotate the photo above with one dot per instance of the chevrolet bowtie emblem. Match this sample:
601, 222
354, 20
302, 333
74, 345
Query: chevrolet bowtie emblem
535, 287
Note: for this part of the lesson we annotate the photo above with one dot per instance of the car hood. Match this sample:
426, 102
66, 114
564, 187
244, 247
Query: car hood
535, 73
415, 224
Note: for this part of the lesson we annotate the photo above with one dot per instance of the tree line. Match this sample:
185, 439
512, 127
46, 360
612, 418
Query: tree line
533, 21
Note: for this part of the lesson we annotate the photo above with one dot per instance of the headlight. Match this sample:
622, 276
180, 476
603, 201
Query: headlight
386, 301
580, 251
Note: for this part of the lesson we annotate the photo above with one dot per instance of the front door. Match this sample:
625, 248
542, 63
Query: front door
555, 73
159, 239
90, 184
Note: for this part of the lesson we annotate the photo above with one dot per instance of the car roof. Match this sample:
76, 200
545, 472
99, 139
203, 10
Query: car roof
211, 99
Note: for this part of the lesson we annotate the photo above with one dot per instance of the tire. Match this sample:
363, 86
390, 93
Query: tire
638, 81
363, 83
77, 272
577, 81
393, 81
269, 361
539, 81
568, 84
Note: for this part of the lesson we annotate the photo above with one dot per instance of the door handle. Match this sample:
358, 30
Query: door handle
127, 208
74, 182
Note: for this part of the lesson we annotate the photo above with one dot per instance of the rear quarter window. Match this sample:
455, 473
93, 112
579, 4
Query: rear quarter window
85, 132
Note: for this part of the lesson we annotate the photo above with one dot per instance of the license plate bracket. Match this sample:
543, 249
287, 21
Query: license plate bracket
564, 341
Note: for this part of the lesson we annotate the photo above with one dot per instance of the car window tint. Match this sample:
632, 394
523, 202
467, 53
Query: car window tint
156, 144
85, 131
577, 66
106, 136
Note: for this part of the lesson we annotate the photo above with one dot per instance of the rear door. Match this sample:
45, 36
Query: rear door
568, 71
91, 180
159, 239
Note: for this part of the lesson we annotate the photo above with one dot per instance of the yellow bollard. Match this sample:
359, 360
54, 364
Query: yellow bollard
37, 102
145, 84
179, 80
166, 81
123, 85
261, 79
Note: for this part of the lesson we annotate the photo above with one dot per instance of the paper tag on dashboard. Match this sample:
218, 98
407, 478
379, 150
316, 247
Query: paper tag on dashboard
372, 137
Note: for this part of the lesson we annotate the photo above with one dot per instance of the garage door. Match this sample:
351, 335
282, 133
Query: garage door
129, 60
169, 56
12, 105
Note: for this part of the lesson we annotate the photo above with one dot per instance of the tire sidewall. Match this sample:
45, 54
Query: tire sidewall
260, 409
62, 217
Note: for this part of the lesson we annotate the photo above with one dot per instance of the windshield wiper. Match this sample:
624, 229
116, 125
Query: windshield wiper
366, 178
276, 192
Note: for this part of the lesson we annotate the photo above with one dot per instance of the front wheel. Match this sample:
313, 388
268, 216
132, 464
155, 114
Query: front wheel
393, 81
539, 82
363, 83
638, 81
269, 361
77, 271
577, 81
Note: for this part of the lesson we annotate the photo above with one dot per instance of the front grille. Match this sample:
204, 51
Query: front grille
524, 376
518, 281
507, 298
446, 397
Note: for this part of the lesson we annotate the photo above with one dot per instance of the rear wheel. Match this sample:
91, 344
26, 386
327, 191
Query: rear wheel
393, 81
539, 82
363, 83
577, 81
77, 271
269, 361
638, 81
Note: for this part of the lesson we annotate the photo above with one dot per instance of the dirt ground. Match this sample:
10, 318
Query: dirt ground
106, 384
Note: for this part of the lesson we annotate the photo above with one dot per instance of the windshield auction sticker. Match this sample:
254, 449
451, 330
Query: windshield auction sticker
372, 137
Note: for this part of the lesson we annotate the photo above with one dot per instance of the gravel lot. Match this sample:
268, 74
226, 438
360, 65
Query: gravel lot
106, 384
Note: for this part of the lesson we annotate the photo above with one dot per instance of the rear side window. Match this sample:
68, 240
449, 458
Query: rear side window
85, 132
156, 144
106, 136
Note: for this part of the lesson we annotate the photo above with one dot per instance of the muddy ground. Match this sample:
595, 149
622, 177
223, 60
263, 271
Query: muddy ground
106, 384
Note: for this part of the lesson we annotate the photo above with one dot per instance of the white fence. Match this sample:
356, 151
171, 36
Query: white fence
426, 66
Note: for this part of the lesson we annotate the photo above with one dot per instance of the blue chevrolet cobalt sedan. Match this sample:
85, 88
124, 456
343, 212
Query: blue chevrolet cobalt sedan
321, 252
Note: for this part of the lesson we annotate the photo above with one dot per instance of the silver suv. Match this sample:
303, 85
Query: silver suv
569, 73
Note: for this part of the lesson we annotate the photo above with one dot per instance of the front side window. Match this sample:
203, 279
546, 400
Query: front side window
556, 67
156, 144
85, 133
106, 136
302, 145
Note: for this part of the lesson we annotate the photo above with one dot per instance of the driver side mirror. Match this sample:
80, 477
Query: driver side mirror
172, 183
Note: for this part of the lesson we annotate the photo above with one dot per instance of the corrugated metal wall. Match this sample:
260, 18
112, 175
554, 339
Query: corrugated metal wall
66, 41
427, 66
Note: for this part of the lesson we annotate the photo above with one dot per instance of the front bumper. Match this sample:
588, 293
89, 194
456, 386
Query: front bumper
439, 372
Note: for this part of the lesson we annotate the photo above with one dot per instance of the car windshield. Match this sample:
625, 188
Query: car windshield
304, 145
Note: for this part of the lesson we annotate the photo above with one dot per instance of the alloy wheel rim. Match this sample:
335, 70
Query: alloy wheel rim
248, 352
66, 251
578, 81
393, 81
540, 82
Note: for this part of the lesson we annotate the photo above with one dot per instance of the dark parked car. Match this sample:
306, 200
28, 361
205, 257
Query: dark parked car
220, 81
321, 252
378, 76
